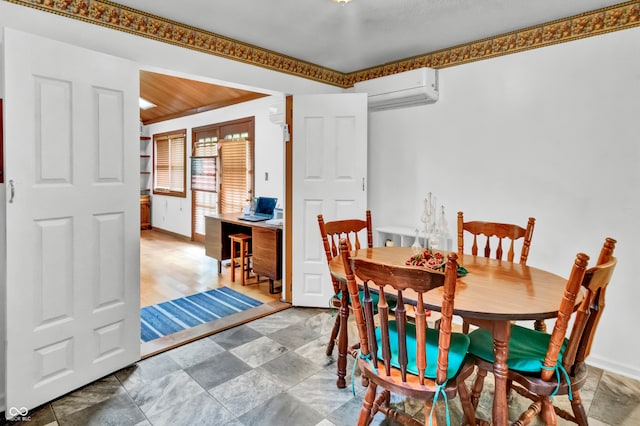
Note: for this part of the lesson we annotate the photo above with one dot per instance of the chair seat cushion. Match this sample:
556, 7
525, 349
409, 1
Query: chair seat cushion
457, 350
527, 348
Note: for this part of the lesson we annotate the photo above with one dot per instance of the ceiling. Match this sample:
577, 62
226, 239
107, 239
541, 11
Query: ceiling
360, 34
177, 97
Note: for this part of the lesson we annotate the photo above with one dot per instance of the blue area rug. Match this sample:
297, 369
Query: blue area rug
180, 314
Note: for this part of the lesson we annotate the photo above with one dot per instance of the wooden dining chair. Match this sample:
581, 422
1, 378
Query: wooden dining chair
494, 234
542, 365
403, 357
331, 233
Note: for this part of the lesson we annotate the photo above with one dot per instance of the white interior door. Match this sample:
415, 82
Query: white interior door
73, 267
329, 177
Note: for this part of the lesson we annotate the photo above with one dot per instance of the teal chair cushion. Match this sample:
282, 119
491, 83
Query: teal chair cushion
457, 350
527, 348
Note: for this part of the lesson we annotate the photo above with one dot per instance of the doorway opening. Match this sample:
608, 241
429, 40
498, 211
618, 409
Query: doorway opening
174, 265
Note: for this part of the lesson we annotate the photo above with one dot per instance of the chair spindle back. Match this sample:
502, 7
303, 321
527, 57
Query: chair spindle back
332, 232
396, 280
595, 281
500, 231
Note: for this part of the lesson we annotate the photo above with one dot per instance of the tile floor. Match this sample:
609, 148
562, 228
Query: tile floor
273, 371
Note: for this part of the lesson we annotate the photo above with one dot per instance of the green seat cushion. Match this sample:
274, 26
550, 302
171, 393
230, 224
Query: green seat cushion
527, 348
457, 350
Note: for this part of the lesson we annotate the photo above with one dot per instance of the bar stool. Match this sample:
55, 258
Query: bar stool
240, 251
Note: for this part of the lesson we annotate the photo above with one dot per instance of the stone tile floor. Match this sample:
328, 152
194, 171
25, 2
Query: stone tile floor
273, 371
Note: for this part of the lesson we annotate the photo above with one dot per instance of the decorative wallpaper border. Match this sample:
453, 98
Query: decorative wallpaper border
605, 20
118, 17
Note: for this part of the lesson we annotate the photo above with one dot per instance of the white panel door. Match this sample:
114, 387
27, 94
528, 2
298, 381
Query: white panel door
73, 262
329, 177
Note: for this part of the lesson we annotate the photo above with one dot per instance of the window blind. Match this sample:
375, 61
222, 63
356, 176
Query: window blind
204, 203
231, 144
169, 164
203, 174
204, 168
235, 177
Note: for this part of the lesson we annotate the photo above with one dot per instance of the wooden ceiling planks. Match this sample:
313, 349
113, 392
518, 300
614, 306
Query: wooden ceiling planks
178, 97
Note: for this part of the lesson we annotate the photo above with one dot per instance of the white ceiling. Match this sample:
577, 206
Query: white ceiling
363, 33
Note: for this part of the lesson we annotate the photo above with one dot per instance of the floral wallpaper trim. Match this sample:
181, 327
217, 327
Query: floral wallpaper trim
115, 16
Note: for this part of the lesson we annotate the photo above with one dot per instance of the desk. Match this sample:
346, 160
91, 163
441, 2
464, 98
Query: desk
266, 244
490, 296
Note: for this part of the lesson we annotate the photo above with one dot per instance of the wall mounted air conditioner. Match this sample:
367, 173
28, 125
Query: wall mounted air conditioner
415, 87
276, 113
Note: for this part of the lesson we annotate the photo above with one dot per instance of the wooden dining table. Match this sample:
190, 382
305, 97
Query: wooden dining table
491, 295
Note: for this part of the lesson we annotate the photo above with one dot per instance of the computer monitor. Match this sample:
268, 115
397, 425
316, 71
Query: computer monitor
265, 206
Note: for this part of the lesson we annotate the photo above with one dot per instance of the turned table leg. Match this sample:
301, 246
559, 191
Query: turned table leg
501, 334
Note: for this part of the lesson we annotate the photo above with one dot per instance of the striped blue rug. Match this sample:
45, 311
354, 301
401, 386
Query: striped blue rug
180, 314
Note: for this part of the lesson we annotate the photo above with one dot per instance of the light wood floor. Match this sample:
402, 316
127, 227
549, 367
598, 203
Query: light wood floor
172, 267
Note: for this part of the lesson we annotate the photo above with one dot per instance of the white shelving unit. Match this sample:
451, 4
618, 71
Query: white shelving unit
145, 165
402, 236
145, 182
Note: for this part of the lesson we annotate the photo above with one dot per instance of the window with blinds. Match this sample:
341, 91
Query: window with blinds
204, 204
169, 163
236, 170
222, 177
204, 169
204, 181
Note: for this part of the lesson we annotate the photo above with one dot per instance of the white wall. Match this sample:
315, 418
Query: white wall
174, 213
150, 53
550, 133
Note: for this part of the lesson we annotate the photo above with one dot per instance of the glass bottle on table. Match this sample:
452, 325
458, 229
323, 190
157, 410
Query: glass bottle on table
416, 247
442, 231
428, 218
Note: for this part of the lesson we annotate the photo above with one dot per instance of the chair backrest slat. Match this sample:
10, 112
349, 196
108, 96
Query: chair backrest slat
368, 343
510, 253
383, 313
499, 231
421, 339
487, 248
401, 327
357, 241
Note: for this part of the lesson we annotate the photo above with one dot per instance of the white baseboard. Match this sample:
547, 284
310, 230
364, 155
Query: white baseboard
606, 364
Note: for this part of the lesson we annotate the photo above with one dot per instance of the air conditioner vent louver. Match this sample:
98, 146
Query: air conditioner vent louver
415, 87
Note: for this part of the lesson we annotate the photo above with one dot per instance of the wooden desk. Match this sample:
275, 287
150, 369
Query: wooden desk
266, 244
492, 294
